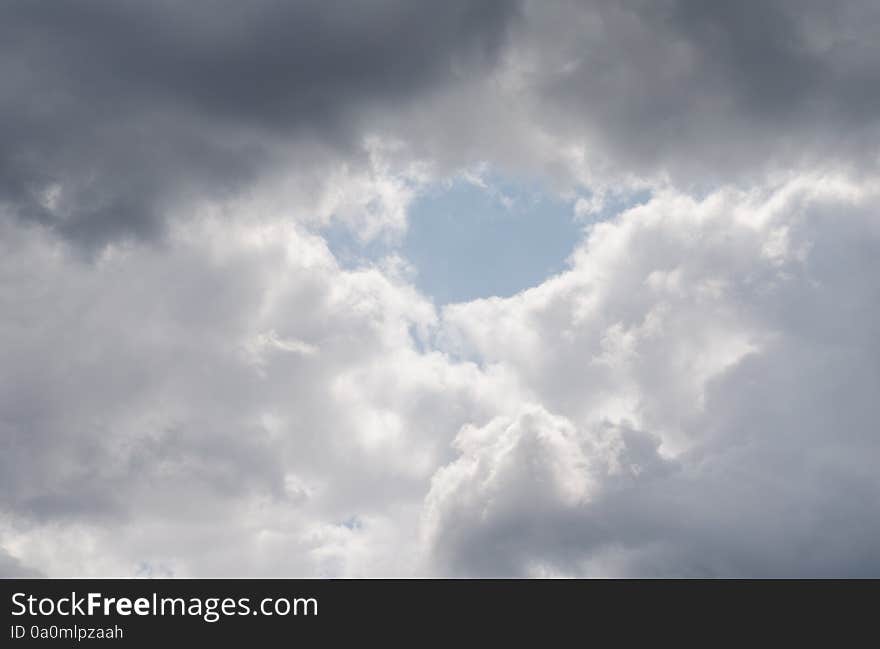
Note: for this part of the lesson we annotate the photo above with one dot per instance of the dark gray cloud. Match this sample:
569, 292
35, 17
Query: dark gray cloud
713, 90
114, 112
117, 115
698, 94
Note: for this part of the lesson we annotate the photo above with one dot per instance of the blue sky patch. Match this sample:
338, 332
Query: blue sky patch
477, 237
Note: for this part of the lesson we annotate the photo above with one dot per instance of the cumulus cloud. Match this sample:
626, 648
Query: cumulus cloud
194, 385
694, 397
234, 384
707, 395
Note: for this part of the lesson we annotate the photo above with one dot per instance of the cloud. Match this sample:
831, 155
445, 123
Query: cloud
694, 94
706, 398
117, 115
11, 568
693, 397
232, 389
120, 117
194, 385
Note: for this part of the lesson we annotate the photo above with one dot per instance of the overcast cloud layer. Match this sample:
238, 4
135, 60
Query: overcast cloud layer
193, 384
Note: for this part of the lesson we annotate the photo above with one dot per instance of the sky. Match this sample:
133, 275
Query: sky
474, 236
461, 289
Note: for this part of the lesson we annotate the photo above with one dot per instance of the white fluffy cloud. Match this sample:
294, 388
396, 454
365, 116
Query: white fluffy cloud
707, 381
230, 402
696, 395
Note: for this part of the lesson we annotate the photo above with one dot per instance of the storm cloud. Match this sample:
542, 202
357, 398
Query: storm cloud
115, 113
